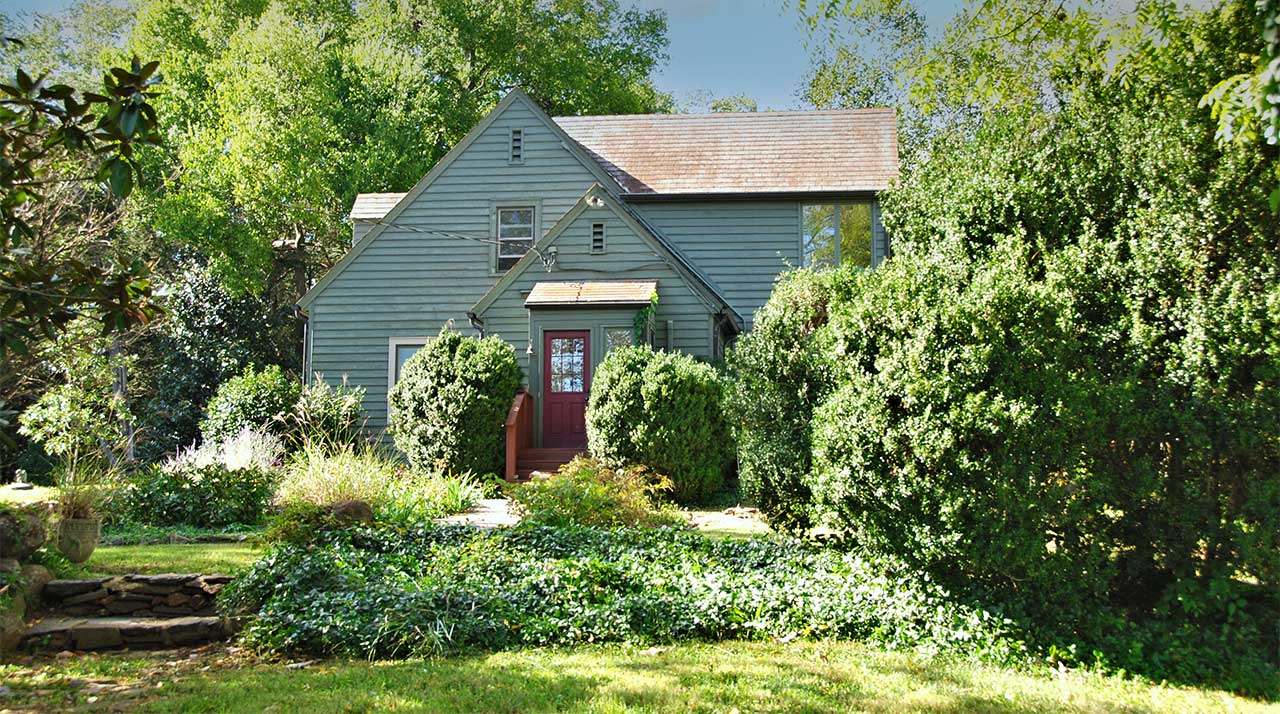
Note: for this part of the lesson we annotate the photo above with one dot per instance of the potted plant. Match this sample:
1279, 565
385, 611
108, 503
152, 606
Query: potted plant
82, 485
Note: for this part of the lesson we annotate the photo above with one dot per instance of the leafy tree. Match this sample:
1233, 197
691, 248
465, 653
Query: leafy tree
208, 336
280, 112
1248, 103
45, 130
1062, 392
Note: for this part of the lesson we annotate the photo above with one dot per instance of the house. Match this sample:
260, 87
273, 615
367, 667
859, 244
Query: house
556, 233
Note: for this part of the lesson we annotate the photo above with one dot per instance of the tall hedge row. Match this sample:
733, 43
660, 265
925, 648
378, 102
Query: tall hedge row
1062, 393
662, 410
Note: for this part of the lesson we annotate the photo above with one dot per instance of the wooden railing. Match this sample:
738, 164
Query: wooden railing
519, 428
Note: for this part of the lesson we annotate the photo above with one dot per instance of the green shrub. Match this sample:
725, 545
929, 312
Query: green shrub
253, 399
207, 496
588, 492
322, 476
778, 374
378, 592
662, 410
326, 414
448, 409
1062, 390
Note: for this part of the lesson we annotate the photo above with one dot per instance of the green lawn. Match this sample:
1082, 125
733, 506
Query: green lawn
203, 558
36, 494
698, 677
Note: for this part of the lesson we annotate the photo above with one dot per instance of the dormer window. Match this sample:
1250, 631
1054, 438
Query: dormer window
517, 147
515, 234
597, 237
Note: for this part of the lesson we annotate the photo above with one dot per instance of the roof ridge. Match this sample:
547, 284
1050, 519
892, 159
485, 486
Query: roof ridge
722, 115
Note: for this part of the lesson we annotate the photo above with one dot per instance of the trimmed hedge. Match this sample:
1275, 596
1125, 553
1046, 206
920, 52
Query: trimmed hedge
451, 401
778, 375
663, 410
251, 400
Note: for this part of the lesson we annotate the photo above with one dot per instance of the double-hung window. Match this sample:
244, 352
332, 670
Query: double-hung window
515, 234
838, 234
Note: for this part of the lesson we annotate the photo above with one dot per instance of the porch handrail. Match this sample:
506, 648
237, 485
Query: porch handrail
519, 428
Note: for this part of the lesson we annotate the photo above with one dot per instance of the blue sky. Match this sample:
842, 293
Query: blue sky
752, 47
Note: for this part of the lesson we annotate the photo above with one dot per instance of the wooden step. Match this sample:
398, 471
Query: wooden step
544, 460
59, 633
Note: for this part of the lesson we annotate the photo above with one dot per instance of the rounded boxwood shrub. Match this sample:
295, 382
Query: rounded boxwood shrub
253, 400
662, 410
778, 375
451, 401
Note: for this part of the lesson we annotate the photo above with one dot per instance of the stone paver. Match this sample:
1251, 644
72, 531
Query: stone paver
95, 633
489, 513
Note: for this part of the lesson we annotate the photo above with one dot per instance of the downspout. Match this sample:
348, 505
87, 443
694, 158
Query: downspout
301, 315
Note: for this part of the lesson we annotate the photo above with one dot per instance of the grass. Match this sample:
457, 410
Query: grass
694, 677
36, 494
203, 558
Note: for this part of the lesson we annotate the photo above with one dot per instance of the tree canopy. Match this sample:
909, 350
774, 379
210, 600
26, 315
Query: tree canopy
279, 112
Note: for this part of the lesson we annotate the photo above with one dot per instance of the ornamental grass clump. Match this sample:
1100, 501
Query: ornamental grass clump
588, 492
321, 476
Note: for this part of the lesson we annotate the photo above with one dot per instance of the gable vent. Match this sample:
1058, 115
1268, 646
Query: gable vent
517, 146
597, 237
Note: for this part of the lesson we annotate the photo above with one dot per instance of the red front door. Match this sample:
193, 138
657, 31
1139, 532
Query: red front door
566, 377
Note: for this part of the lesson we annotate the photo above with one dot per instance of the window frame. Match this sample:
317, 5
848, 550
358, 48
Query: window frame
837, 258
495, 255
393, 348
604, 336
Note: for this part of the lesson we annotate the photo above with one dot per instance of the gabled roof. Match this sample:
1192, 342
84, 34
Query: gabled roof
592, 292
372, 206
405, 199
842, 151
598, 196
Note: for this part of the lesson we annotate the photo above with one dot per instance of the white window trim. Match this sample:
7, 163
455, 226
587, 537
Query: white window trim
393, 346
506, 205
511, 137
604, 238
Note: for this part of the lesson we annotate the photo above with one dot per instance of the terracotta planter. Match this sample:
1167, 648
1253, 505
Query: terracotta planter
78, 537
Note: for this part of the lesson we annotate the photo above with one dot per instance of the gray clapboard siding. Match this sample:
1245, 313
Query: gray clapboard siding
741, 246
406, 283
626, 256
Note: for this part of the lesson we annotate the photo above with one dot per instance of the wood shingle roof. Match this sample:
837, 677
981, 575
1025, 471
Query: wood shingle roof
838, 151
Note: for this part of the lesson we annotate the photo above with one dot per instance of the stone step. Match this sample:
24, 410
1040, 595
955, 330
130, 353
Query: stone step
134, 595
59, 633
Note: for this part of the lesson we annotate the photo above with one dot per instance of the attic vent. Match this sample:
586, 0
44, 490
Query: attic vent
517, 146
597, 237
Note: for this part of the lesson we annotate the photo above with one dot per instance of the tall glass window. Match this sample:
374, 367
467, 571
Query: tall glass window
515, 235
836, 234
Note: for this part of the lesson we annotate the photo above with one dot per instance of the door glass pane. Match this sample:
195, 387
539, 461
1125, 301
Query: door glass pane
855, 234
618, 337
819, 237
568, 359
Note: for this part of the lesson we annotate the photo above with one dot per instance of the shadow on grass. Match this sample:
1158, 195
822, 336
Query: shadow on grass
697, 677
